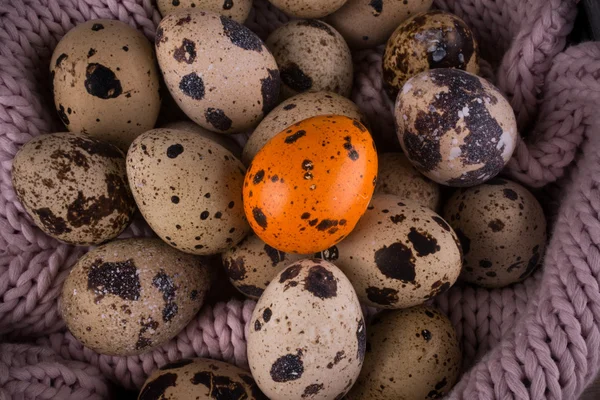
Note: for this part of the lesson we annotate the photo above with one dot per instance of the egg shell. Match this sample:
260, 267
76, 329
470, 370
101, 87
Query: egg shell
311, 55
224, 140
252, 264
435, 39
502, 228
307, 188
218, 71
307, 334
369, 23
454, 127
189, 190
425, 342
400, 254
294, 110
397, 176
308, 8
105, 81
200, 379
74, 187
237, 10
130, 296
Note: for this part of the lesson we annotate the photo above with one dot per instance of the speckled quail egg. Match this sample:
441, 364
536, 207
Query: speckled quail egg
455, 128
252, 264
189, 190
397, 176
105, 81
217, 70
369, 23
400, 254
308, 187
308, 8
74, 187
224, 140
307, 334
294, 110
237, 10
200, 379
412, 354
130, 296
502, 229
435, 39
311, 56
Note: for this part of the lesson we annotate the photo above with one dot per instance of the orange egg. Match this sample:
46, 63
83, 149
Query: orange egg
308, 186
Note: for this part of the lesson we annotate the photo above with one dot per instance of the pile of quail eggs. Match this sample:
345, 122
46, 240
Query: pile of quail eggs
309, 218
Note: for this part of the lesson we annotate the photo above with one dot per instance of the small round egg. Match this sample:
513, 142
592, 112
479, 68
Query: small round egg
130, 296
224, 140
502, 229
189, 190
369, 23
217, 70
294, 110
307, 334
237, 10
105, 81
311, 56
74, 187
400, 254
435, 39
307, 188
397, 176
308, 8
200, 379
252, 264
454, 127
425, 341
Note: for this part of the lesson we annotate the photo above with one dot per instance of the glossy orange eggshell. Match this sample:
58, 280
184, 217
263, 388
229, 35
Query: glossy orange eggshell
308, 186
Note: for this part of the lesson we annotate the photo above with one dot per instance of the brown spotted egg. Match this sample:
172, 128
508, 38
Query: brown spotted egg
400, 254
130, 296
217, 70
369, 23
435, 39
455, 128
189, 190
252, 264
502, 229
397, 176
308, 8
306, 338
237, 10
74, 187
105, 81
311, 56
411, 354
200, 379
224, 140
294, 110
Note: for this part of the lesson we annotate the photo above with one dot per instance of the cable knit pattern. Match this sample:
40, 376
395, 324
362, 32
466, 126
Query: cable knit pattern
518, 342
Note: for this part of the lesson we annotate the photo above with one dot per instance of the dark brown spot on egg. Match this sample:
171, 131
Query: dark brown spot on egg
194, 294
289, 107
235, 268
192, 86
438, 288
275, 255
259, 217
331, 254
496, 225
305, 215
174, 199
257, 326
116, 278
96, 147
258, 177
164, 283
97, 27
220, 387
377, 6
293, 76
287, 368
290, 272
184, 20
397, 218
91, 52
60, 59
160, 37
510, 194
174, 150
267, 314
339, 356
62, 115
384, 297
156, 388
361, 338
186, 52
241, 36
426, 335
423, 242
175, 3
204, 215
315, 23
228, 5
256, 393
101, 81
352, 153
217, 118
441, 223
485, 263
326, 224
177, 364
54, 224
294, 137
312, 390
321, 282
396, 262
269, 88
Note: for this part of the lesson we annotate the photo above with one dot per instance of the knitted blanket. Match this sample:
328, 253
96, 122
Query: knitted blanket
538, 339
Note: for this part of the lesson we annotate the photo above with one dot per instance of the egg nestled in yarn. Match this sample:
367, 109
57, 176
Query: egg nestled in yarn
307, 188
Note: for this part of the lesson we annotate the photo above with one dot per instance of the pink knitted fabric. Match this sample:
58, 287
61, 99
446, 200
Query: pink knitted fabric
519, 342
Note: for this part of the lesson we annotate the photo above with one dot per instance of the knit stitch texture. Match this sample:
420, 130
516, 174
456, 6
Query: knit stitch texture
519, 342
